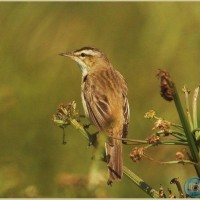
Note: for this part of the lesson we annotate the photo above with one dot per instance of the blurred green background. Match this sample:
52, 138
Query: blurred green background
138, 38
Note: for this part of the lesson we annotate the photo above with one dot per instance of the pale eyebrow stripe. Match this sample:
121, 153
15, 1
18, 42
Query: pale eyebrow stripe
87, 52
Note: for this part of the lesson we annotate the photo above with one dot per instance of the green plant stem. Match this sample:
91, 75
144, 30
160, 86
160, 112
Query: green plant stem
140, 183
80, 128
180, 162
188, 133
188, 108
182, 141
162, 132
171, 162
166, 142
194, 106
133, 142
177, 126
173, 142
177, 135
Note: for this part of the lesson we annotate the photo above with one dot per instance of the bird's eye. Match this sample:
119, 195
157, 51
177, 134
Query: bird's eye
83, 54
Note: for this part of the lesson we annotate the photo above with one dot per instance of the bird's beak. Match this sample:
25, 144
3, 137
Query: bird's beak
66, 54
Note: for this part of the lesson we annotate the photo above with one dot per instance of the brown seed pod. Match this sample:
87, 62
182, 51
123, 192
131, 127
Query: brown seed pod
166, 90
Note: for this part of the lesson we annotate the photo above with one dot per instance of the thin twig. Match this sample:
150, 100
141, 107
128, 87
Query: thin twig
166, 142
177, 126
178, 135
171, 162
136, 142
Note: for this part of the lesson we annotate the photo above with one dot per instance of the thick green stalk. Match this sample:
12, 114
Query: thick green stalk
140, 183
188, 132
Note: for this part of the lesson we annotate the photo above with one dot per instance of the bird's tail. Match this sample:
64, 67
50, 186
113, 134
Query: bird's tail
114, 159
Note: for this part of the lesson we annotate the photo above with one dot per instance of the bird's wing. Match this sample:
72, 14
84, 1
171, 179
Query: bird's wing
126, 109
96, 106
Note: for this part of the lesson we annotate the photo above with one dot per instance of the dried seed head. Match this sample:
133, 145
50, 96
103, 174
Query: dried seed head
150, 114
65, 113
153, 139
162, 124
136, 153
166, 90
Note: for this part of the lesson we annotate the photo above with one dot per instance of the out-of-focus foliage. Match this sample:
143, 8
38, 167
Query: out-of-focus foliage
138, 38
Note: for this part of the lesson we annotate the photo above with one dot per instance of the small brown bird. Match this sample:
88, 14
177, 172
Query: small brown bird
104, 98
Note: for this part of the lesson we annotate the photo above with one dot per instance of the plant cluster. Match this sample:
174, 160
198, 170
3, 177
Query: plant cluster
187, 134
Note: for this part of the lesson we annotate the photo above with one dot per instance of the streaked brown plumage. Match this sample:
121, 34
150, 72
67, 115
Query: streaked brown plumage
104, 97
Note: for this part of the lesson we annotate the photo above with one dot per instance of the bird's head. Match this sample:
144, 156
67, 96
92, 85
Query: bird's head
89, 58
